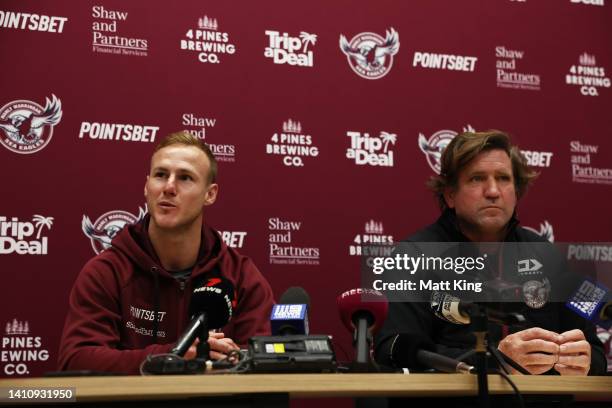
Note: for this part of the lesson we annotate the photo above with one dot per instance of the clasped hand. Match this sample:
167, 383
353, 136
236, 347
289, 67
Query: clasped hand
538, 350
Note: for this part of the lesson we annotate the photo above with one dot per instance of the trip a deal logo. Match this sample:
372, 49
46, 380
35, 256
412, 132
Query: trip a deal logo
25, 237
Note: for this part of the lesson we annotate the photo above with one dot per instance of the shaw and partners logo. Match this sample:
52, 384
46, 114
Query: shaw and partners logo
20, 347
284, 49
24, 237
28, 127
372, 151
435, 145
283, 249
107, 226
105, 39
583, 168
369, 55
507, 73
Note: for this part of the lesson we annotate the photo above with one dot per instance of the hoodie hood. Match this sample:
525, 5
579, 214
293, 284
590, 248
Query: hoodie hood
134, 242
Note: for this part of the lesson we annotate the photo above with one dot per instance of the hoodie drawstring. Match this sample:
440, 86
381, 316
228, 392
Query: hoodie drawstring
156, 303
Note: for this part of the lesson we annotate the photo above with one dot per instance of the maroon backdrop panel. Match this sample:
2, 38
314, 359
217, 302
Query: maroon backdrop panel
327, 119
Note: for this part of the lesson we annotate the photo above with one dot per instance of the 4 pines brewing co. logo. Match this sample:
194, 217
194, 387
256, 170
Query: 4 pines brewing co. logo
107, 226
293, 144
26, 126
373, 241
20, 348
208, 41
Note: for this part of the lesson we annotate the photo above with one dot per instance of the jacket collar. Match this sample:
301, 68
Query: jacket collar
448, 221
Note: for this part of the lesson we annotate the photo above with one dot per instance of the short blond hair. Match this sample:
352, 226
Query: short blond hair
184, 137
464, 148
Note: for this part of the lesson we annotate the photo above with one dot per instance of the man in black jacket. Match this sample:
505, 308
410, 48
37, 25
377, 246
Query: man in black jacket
481, 180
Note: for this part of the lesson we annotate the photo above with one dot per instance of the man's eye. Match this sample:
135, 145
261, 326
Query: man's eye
186, 177
504, 178
476, 178
159, 174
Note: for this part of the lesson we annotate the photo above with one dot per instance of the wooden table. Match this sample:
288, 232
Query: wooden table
176, 388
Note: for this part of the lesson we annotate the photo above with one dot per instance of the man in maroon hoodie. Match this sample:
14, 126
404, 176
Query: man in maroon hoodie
133, 299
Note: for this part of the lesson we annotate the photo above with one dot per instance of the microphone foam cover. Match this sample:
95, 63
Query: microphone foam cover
215, 297
371, 302
295, 295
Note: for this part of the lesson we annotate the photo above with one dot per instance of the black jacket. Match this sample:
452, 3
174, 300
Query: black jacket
456, 340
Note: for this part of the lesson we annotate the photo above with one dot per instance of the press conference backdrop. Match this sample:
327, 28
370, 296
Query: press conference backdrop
326, 117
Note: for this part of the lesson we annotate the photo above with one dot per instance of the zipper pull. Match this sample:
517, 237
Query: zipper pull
182, 284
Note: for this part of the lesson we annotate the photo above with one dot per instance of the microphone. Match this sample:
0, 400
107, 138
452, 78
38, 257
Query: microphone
593, 302
452, 309
363, 312
210, 308
290, 315
417, 352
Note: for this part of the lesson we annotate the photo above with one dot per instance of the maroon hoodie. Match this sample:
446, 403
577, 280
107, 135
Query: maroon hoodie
110, 321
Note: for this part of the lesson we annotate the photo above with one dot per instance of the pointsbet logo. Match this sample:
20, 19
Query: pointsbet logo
32, 22
24, 237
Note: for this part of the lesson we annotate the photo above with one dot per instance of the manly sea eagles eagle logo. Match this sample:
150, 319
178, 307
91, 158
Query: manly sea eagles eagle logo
107, 226
370, 55
546, 231
435, 145
26, 126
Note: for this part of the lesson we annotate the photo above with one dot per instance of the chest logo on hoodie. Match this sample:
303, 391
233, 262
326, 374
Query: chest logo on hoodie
536, 293
102, 231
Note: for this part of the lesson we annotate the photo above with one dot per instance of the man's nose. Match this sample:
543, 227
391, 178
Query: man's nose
170, 186
492, 189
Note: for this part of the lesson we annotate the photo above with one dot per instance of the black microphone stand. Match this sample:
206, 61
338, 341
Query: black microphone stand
203, 348
362, 341
479, 323
176, 364
483, 349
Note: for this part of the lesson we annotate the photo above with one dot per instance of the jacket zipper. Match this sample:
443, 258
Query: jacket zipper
182, 308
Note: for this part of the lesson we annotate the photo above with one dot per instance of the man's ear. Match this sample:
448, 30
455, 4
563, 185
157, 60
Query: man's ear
211, 194
145, 187
449, 197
